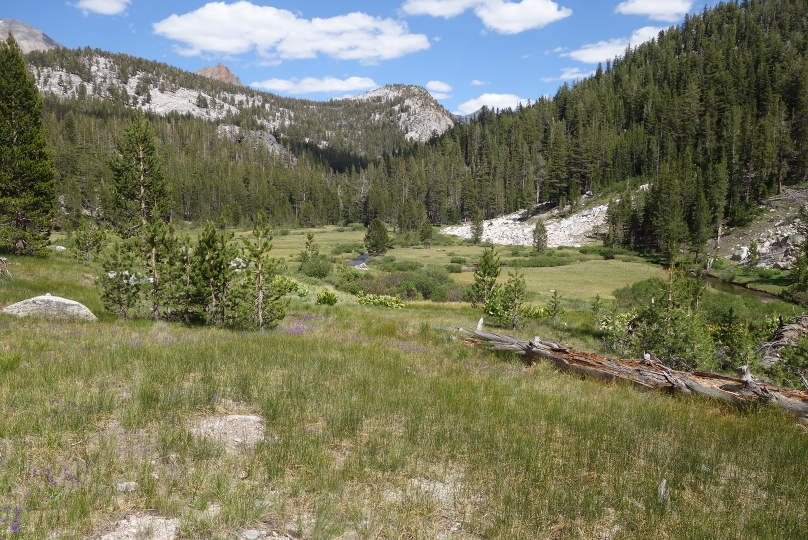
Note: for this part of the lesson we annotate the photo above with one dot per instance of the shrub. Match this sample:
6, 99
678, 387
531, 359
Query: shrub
326, 298
458, 260
454, 268
318, 267
284, 232
381, 300
339, 249
539, 261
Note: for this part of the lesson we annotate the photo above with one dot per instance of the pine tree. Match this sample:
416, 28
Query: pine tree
477, 227
141, 190
88, 240
27, 188
376, 238
425, 234
485, 279
540, 236
268, 304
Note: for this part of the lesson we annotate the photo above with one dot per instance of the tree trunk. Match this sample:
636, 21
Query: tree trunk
649, 375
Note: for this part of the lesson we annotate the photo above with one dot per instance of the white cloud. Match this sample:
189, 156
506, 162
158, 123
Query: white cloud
492, 101
568, 74
475, 82
592, 53
230, 29
500, 15
309, 85
438, 86
102, 7
659, 10
440, 95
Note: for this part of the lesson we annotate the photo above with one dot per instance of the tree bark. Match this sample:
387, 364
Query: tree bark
649, 375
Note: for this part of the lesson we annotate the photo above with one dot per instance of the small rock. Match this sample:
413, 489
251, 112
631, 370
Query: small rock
57, 248
127, 487
741, 254
251, 534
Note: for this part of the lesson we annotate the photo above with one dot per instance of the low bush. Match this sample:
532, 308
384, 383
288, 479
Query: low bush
381, 300
458, 260
326, 298
454, 268
537, 261
317, 267
354, 247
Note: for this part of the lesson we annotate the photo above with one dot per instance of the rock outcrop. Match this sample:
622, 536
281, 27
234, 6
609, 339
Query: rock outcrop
219, 73
419, 115
50, 306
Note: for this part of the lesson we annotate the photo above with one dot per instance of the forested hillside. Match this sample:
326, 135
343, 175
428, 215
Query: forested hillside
713, 115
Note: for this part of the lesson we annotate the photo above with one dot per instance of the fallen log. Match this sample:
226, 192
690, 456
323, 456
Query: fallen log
648, 374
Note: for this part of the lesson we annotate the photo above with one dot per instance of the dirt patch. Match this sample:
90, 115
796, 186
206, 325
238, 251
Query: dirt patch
142, 527
236, 431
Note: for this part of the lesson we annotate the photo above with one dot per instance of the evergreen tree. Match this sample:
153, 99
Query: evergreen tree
376, 238
88, 239
540, 236
215, 265
425, 234
141, 193
268, 305
554, 308
477, 227
27, 189
485, 284
511, 300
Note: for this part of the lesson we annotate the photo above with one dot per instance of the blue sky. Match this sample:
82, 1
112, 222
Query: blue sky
468, 53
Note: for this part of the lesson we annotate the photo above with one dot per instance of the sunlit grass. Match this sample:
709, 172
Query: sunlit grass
379, 424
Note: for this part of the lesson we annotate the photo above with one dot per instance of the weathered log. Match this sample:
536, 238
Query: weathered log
648, 374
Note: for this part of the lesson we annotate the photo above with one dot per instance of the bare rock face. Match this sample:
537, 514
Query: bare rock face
219, 73
50, 306
27, 37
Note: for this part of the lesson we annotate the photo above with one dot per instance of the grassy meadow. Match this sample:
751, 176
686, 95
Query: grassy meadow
379, 424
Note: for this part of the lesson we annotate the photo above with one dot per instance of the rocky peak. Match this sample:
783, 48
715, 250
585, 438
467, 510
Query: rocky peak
219, 73
419, 115
27, 37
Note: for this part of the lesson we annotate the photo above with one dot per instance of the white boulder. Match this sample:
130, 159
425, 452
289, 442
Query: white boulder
50, 306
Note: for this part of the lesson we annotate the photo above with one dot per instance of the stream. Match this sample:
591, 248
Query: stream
738, 290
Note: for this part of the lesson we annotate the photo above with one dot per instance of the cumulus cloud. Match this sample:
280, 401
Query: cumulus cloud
592, 53
659, 10
102, 7
475, 82
499, 15
439, 90
492, 101
568, 74
230, 29
438, 86
310, 85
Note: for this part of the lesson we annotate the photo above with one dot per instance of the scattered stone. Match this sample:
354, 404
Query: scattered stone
235, 430
50, 306
140, 527
741, 254
127, 487
57, 248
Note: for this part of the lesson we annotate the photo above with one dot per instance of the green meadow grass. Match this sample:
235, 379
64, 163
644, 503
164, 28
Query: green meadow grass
379, 424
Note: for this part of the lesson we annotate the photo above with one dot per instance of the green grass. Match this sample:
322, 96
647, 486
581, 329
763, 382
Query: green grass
378, 425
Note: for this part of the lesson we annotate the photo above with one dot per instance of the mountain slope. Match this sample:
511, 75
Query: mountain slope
369, 126
28, 37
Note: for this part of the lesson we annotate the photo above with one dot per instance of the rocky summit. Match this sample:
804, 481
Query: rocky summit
28, 37
220, 73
